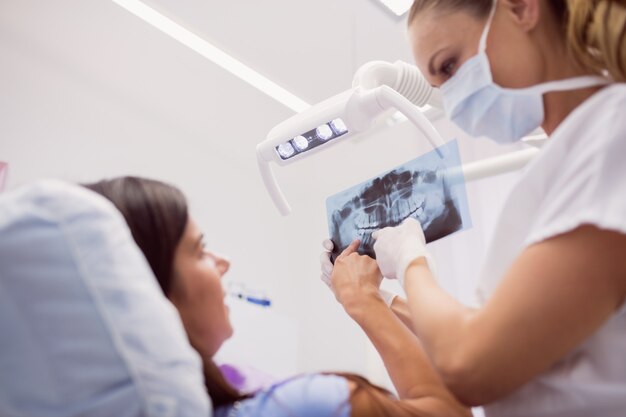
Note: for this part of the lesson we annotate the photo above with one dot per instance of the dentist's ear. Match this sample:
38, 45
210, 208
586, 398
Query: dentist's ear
525, 13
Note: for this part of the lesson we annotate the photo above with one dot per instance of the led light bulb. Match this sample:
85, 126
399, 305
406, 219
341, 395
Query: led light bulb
339, 126
301, 143
324, 132
285, 150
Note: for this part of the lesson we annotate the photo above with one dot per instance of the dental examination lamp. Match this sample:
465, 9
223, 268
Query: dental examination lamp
377, 88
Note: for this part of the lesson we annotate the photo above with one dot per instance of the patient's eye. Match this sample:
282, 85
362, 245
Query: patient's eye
202, 248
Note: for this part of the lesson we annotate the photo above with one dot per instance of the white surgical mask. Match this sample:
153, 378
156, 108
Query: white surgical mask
481, 108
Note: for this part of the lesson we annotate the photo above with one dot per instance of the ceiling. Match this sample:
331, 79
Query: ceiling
311, 48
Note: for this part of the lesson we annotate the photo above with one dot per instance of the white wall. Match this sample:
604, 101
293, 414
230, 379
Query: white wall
87, 91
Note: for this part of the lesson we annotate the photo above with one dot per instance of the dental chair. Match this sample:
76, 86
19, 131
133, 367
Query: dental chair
84, 328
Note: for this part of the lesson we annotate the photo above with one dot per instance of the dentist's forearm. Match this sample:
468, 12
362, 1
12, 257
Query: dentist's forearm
408, 366
401, 309
440, 321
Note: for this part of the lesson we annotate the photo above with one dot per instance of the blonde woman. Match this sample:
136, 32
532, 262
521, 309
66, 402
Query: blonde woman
549, 337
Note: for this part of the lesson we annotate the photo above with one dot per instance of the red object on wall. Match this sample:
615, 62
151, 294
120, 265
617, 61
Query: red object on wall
4, 168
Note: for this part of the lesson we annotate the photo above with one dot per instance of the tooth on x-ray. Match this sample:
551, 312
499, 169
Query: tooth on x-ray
421, 189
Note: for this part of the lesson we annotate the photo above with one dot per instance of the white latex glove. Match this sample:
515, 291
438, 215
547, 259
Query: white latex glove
327, 271
396, 247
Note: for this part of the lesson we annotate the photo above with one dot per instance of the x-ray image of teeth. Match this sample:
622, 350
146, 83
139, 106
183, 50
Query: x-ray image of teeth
429, 188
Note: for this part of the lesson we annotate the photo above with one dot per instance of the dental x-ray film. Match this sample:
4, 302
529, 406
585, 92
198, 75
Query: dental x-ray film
430, 188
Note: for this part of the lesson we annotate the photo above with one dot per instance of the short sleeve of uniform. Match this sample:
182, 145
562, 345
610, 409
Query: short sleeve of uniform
590, 185
312, 395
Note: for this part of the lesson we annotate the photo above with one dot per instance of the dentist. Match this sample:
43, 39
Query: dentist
549, 338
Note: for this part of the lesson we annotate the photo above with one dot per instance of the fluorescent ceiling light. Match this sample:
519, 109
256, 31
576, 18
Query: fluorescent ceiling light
212, 53
399, 7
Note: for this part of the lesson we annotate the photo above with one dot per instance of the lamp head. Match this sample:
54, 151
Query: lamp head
304, 133
378, 87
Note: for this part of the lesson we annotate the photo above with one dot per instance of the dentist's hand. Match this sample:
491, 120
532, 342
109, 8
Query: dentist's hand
396, 247
355, 281
327, 270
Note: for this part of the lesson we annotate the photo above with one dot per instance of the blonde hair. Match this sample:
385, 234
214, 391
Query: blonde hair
594, 30
596, 35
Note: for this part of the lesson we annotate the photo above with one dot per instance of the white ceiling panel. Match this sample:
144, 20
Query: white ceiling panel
312, 48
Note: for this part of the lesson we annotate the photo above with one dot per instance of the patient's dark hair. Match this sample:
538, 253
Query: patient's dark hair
157, 215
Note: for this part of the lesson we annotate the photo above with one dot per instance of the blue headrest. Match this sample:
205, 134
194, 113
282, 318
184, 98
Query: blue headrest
84, 327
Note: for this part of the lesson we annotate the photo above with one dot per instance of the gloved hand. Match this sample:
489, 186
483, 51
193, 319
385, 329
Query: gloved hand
327, 271
396, 247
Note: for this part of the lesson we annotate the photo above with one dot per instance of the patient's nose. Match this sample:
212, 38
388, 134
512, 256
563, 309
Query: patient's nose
222, 264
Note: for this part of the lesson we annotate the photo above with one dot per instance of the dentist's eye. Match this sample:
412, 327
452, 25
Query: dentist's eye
447, 67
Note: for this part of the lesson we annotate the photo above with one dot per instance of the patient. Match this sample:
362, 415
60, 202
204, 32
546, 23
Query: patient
190, 276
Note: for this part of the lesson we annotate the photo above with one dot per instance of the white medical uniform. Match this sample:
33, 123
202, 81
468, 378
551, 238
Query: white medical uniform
579, 178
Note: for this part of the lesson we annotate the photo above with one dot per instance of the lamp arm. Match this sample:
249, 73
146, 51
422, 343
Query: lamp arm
404, 78
503, 164
388, 98
267, 174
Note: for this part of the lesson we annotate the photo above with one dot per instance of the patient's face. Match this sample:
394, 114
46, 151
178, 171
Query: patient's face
197, 292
